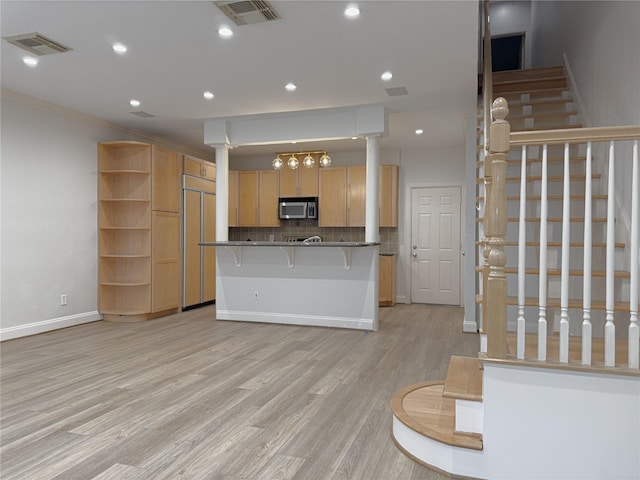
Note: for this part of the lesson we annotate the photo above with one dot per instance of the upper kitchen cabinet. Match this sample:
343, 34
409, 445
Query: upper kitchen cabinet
198, 168
268, 198
301, 182
389, 195
258, 198
233, 198
332, 197
342, 196
248, 198
356, 190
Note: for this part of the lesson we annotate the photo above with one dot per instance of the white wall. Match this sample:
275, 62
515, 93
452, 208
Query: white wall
600, 40
444, 166
509, 17
49, 214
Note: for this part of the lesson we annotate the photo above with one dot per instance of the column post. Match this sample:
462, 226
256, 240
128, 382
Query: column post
222, 193
372, 208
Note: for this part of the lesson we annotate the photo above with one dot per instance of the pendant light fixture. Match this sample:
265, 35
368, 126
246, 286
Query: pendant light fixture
308, 159
325, 160
293, 162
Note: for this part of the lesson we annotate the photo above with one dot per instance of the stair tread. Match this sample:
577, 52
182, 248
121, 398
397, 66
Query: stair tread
480, 198
464, 379
557, 244
555, 302
529, 73
424, 409
555, 272
551, 219
532, 178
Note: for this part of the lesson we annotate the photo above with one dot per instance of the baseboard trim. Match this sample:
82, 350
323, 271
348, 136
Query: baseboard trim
48, 325
292, 319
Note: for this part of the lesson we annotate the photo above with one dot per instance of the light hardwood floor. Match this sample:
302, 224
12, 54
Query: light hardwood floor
189, 397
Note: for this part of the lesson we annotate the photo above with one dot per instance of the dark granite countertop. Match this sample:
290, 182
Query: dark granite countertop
288, 244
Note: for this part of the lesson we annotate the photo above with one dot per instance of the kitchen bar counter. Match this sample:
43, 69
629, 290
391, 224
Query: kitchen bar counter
287, 244
298, 283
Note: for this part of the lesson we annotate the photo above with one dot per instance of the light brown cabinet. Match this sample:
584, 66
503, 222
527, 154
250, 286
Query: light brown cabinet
356, 194
138, 231
342, 196
198, 168
301, 182
389, 195
165, 181
233, 198
248, 198
387, 281
332, 197
165, 268
258, 198
199, 226
268, 198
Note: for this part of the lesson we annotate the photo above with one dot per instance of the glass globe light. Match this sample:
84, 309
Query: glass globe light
277, 163
293, 162
325, 160
309, 161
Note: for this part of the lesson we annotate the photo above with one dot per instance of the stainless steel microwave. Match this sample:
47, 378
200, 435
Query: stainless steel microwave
298, 208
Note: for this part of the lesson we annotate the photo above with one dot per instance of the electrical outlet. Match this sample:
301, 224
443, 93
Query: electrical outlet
256, 295
63, 299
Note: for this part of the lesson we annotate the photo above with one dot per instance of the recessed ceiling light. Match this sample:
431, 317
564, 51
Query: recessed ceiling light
386, 76
134, 103
30, 61
225, 32
352, 12
290, 86
208, 95
119, 48
419, 131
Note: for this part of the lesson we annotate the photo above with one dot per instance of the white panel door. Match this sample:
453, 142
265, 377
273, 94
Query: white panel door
435, 245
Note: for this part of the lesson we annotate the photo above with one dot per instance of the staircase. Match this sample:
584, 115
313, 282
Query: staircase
491, 413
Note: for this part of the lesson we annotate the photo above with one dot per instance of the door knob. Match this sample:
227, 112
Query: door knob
414, 254
415, 247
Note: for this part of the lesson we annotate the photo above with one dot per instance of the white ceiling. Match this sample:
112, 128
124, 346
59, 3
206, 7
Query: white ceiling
175, 54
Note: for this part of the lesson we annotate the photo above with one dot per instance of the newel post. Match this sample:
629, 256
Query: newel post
486, 248
496, 320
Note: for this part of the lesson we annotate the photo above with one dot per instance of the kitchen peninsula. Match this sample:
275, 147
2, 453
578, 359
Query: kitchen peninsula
330, 284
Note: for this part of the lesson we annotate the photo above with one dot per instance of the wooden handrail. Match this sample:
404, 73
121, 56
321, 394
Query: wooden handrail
575, 135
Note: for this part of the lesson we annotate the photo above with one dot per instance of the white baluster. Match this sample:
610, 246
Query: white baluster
634, 330
542, 295
564, 273
609, 326
521, 323
586, 287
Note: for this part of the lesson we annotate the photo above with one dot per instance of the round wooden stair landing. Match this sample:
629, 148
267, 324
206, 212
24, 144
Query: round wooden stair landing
424, 409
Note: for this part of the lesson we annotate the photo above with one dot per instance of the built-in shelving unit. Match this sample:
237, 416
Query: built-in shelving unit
124, 219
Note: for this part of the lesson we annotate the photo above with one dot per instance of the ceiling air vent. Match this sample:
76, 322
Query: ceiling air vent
396, 91
37, 44
141, 114
248, 11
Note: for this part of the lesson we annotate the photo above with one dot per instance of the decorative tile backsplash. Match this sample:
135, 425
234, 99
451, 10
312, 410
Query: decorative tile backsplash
308, 228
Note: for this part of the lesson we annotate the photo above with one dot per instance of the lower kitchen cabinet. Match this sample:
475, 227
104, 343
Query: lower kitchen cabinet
387, 281
199, 263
